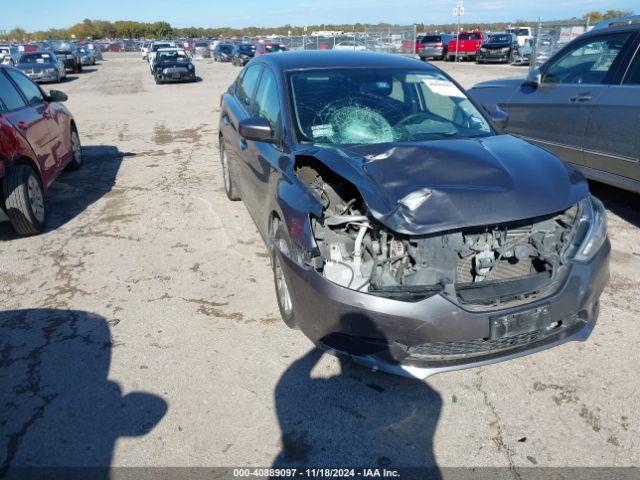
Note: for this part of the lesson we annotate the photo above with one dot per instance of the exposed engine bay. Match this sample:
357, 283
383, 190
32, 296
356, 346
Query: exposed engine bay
510, 262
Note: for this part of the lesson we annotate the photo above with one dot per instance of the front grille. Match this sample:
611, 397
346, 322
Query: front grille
481, 346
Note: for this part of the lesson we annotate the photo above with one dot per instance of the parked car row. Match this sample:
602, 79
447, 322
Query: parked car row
506, 47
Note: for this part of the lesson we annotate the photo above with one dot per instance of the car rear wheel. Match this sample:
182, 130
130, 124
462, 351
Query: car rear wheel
76, 148
230, 187
279, 242
24, 200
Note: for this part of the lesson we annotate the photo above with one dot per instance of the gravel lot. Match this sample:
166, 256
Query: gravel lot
142, 329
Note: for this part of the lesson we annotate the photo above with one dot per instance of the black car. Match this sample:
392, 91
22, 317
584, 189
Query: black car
223, 52
500, 48
404, 231
68, 54
173, 65
242, 53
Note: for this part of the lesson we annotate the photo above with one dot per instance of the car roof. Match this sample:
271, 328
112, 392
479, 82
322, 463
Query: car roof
603, 28
341, 59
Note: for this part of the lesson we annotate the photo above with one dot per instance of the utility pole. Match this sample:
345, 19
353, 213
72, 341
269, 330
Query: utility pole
458, 11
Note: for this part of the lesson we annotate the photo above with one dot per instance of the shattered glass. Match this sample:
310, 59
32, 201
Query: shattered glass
359, 106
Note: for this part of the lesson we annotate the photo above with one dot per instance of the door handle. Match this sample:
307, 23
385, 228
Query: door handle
243, 144
581, 97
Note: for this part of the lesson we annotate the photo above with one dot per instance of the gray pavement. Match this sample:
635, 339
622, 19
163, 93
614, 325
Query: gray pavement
142, 329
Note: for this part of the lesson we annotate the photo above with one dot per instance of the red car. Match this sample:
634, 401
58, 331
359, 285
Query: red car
269, 47
469, 45
38, 140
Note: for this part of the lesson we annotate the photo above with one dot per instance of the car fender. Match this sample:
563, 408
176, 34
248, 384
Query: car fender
13, 147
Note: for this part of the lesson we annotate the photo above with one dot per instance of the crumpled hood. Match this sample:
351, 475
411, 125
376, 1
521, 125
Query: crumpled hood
443, 185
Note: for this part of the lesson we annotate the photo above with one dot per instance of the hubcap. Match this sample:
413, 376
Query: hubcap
36, 200
77, 149
282, 289
225, 169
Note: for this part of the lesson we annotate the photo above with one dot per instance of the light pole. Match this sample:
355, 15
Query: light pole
458, 11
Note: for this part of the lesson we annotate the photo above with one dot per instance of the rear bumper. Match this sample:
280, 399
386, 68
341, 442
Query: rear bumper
176, 75
69, 63
392, 335
42, 77
452, 54
432, 52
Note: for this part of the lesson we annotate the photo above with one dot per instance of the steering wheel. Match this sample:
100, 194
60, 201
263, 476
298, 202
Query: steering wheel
410, 119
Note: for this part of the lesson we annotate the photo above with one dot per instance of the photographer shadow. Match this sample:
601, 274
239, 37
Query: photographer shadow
358, 418
61, 415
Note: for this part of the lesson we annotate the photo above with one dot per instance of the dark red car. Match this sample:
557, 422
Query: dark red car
38, 140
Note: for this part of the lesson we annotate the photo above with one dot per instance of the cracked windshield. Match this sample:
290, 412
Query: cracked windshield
357, 106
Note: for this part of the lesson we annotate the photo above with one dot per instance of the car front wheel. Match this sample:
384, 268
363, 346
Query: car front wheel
279, 243
230, 186
24, 200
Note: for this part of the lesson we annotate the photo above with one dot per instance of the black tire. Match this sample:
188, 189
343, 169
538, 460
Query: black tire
76, 148
279, 245
230, 185
24, 200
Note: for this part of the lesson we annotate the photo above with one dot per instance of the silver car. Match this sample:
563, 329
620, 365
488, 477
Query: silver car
9, 54
583, 104
42, 66
434, 46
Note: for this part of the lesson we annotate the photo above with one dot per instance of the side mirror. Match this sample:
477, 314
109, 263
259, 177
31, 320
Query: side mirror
256, 129
57, 96
534, 78
499, 117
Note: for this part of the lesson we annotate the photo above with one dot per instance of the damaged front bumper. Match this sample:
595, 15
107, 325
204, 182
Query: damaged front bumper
438, 334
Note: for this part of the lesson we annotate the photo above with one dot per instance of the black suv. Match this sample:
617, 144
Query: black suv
242, 53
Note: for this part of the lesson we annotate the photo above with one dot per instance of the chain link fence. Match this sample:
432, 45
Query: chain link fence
399, 40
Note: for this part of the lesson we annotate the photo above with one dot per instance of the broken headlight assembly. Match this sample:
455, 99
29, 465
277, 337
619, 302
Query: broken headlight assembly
485, 265
591, 230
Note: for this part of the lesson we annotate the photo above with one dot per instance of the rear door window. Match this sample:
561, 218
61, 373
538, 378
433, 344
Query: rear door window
247, 85
588, 62
31, 91
9, 95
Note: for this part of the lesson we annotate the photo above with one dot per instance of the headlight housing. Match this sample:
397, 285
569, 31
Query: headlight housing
591, 232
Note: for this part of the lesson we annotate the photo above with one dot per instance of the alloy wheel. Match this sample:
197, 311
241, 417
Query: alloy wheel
36, 199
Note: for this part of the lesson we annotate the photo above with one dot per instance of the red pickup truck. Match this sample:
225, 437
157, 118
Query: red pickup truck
469, 45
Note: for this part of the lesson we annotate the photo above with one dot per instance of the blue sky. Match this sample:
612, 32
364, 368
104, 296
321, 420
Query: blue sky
242, 13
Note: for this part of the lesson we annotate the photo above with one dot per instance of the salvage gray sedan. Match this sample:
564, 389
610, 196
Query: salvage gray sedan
403, 231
